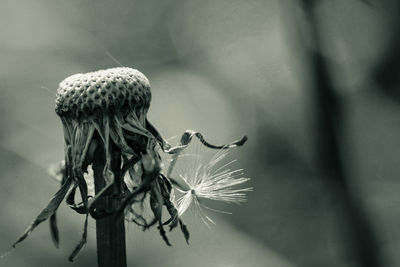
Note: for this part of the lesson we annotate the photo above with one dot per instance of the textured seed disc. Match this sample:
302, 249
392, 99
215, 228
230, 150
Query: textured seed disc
106, 90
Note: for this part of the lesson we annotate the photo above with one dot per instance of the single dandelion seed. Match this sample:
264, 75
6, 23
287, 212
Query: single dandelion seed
211, 180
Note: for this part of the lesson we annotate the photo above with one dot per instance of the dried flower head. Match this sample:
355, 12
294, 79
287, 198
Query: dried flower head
108, 109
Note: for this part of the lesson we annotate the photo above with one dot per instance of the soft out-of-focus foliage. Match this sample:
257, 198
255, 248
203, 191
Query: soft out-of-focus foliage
233, 67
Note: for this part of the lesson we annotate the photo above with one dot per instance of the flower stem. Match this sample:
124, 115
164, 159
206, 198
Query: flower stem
110, 232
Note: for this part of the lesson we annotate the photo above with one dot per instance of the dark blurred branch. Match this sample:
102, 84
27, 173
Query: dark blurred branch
387, 72
363, 243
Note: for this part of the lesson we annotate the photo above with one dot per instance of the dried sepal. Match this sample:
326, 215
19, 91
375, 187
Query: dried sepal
156, 204
187, 136
48, 211
81, 243
150, 163
70, 200
55, 236
184, 231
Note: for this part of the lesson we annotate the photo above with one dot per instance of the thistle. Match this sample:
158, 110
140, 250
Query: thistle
106, 130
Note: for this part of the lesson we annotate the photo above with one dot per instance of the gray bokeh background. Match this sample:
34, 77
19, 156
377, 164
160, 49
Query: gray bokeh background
225, 68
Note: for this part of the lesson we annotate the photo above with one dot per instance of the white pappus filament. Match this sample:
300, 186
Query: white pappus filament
207, 181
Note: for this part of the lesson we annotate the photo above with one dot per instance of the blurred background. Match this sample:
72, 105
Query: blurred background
313, 84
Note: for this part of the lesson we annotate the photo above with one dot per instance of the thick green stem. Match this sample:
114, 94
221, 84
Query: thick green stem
110, 232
